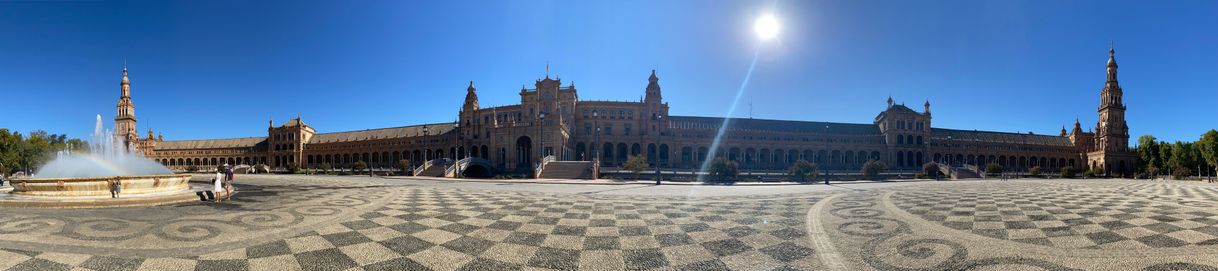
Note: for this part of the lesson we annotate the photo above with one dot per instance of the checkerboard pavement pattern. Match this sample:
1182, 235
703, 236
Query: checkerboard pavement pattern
447, 229
1063, 219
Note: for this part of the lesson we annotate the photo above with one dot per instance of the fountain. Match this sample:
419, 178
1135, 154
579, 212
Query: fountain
90, 175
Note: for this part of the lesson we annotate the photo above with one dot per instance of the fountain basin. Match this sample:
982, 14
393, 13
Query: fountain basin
100, 186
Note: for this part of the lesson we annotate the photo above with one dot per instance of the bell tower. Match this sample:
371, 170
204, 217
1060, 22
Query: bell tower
1111, 154
124, 118
653, 89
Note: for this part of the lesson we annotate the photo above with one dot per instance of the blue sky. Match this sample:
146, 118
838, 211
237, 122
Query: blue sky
214, 69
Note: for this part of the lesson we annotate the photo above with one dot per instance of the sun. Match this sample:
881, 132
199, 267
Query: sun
766, 27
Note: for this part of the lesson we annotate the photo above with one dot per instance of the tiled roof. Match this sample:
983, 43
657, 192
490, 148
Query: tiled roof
383, 133
902, 108
210, 143
1000, 137
690, 122
293, 122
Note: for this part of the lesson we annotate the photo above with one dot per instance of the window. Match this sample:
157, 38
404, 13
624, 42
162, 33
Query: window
900, 140
587, 129
627, 132
608, 129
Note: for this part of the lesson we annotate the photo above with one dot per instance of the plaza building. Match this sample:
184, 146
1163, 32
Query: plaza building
551, 121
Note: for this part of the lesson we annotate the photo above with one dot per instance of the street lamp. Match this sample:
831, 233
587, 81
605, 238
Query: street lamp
456, 144
658, 119
596, 157
541, 138
426, 154
827, 172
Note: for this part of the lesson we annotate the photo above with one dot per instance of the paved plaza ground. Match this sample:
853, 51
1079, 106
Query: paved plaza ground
283, 222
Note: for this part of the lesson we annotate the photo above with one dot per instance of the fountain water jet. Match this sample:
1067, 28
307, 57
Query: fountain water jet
91, 174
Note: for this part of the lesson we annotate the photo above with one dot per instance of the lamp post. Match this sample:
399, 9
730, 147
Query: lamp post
456, 144
596, 148
426, 154
659, 119
827, 174
541, 143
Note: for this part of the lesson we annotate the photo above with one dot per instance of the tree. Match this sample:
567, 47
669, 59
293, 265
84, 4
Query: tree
931, 169
872, 169
1208, 148
1148, 155
722, 169
1165, 153
993, 168
1035, 171
1068, 172
636, 164
803, 171
1183, 159
406, 166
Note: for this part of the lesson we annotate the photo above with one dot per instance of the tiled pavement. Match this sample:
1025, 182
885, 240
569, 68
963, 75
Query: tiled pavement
422, 228
1026, 225
317, 223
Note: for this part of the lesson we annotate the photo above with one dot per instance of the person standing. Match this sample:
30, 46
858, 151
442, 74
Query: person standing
228, 178
116, 187
218, 183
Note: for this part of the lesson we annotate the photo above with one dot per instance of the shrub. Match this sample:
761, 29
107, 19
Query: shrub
803, 171
636, 164
1181, 172
1035, 171
872, 169
1068, 173
406, 166
930, 170
1141, 175
293, 168
192, 168
722, 169
327, 167
1089, 174
993, 168
921, 175
358, 166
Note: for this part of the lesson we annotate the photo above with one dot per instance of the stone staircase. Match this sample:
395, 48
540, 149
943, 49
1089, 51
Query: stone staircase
433, 168
568, 170
965, 172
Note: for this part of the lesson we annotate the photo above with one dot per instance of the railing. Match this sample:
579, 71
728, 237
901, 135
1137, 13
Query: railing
541, 165
457, 167
429, 164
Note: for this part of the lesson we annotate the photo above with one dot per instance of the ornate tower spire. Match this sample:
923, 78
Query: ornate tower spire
926, 106
889, 101
124, 117
653, 89
471, 98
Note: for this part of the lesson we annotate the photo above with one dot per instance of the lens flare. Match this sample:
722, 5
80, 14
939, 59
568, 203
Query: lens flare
767, 27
